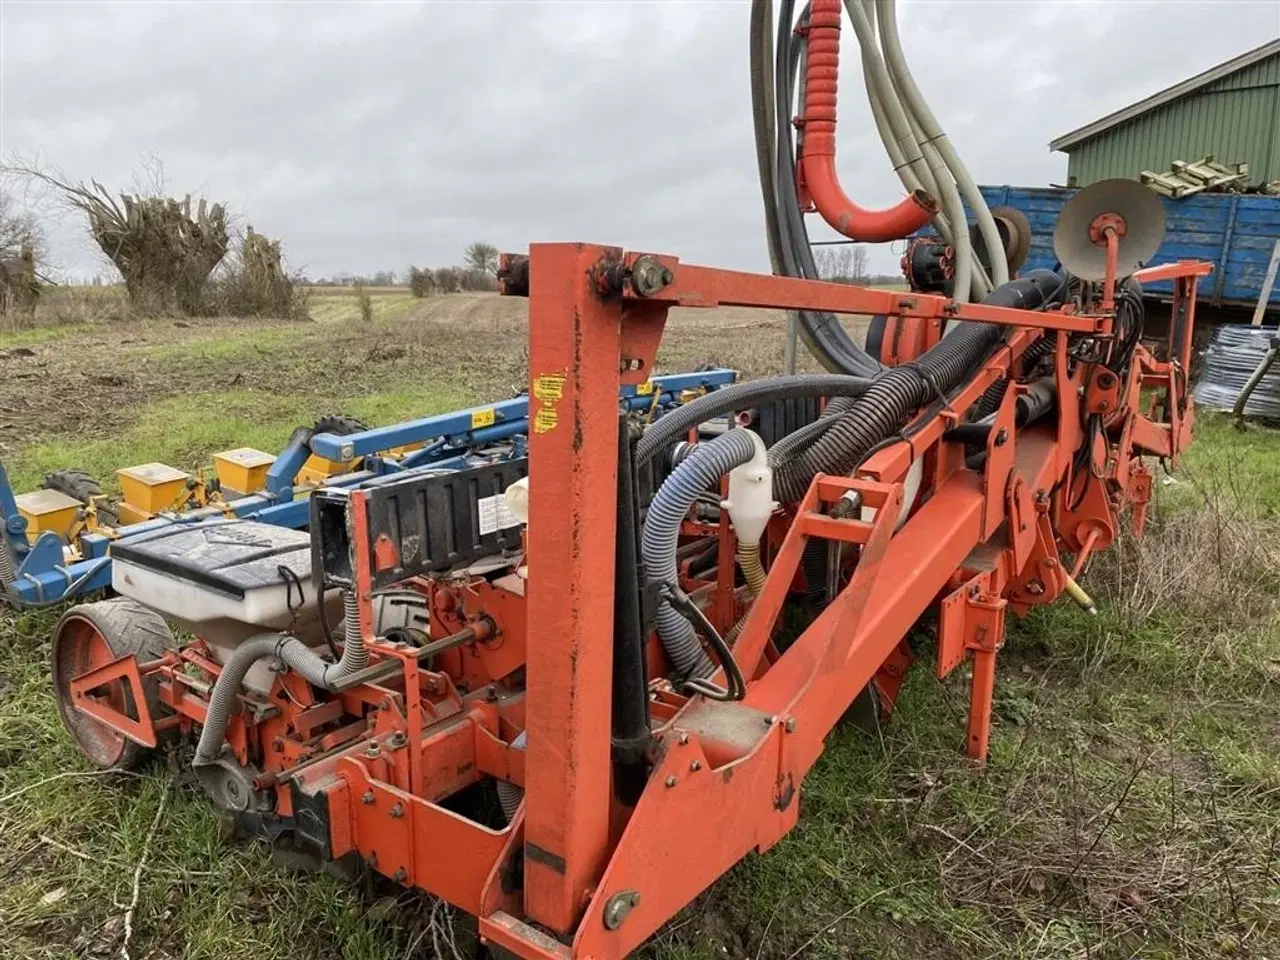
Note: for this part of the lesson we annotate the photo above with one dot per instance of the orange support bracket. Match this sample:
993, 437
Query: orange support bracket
582, 350
141, 731
972, 620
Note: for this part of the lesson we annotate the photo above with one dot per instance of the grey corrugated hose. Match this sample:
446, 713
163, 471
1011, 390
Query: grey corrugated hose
658, 543
296, 655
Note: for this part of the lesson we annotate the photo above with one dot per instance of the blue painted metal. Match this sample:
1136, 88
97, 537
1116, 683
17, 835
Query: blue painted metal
282, 473
510, 418
44, 577
1234, 231
14, 526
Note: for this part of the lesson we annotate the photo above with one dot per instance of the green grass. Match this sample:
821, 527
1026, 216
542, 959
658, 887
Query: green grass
184, 431
38, 335
335, 309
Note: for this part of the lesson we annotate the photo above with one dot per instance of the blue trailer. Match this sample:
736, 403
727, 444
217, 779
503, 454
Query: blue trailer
1235, 232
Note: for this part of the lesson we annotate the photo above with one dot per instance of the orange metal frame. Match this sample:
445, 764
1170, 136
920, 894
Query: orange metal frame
575, 874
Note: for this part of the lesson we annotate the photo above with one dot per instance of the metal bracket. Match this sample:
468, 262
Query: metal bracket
141, 731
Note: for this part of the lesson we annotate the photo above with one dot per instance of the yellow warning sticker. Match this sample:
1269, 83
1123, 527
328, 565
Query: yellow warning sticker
644, 389
549, 386
545, 420
482, 418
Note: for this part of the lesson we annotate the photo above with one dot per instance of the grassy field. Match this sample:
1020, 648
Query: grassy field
1131, 807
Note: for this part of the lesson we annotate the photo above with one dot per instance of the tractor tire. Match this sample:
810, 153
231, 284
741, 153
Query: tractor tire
340, 425
91, 635
79, 485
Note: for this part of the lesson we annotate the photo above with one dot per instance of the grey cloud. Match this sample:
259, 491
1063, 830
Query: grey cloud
371, 136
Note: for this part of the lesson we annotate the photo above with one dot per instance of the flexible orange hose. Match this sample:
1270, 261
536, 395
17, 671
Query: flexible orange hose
818, 161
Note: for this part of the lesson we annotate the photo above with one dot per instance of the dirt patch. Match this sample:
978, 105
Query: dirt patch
89, 380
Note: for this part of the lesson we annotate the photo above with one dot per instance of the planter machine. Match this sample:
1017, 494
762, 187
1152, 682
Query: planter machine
55, 541
564, 702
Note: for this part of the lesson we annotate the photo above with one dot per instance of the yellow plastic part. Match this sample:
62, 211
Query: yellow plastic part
151, 487
406, 448
318, 469
242, 471
48, 511
127, 514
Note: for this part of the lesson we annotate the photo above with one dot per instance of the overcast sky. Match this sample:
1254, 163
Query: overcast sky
372, 136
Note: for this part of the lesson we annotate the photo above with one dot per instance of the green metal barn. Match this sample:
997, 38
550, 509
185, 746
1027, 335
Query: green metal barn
1231, 112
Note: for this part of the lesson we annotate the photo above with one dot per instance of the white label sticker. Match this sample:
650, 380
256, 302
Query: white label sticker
494, 515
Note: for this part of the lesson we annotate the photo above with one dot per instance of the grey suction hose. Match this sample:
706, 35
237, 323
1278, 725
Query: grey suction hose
921, 152
509, 795
296, 655
933, 133
678, 493
672, 427
772, 99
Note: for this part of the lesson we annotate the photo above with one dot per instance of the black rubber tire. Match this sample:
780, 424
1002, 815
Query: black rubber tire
340, 425
127, 627
79, 485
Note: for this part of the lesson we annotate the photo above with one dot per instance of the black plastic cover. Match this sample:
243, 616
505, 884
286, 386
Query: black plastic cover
437, 522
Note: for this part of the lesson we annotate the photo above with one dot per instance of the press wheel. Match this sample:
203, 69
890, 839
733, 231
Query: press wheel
91, 635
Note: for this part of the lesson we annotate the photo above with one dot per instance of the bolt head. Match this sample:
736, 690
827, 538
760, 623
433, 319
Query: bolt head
671, 781
696, 765
367, 797
791, 725
684, 739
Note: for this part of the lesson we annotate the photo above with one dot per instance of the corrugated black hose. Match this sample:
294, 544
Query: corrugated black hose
901, 390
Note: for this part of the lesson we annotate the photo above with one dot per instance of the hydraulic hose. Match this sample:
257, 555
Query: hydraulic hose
900, 390
678, 493
630, 694
818, 159
296, 655
990, 400
919, 151
672, 427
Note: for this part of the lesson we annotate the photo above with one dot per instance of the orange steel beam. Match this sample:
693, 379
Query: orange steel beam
575, 349
694, 286
1173, 271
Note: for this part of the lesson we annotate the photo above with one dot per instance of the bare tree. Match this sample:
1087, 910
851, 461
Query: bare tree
253, 282
18, 230
164, 248
846, 263
21, 249
422, 281
858, 264
481, 256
